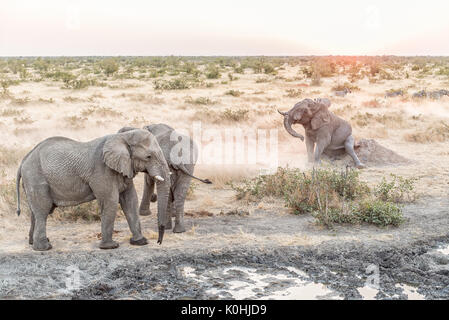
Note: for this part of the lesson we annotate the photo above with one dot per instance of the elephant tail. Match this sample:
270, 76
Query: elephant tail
184, 170
19, 176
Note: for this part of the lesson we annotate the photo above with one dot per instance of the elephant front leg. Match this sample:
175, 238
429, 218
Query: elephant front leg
349, 147
321, 144
310, 145
128, 202
108, 213
148, 193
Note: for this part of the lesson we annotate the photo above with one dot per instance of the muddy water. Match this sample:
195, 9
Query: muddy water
444, 250
250, 283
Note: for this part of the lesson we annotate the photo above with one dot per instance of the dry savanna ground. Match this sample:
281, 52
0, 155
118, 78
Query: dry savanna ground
85, 98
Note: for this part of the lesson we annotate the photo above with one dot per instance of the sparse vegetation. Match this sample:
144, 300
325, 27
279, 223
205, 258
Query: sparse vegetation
200, 101
435, 133
75, 122
104, 93
234, 93
294, 93
173, 84
332, 196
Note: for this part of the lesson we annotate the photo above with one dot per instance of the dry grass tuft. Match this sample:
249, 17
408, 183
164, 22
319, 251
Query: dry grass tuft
434, 133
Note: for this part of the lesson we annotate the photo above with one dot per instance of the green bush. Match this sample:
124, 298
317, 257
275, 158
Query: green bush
212, 72
398, 190
109, 66
331, 196
379, 212
173, 84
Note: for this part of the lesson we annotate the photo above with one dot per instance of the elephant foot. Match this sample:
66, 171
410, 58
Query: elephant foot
153, 197
144, 212
179, 228
30, 240
169, 224
141, 242
42, 245
109, 245
360, 166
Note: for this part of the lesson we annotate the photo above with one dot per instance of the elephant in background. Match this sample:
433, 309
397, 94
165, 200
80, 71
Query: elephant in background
61, 172
325, 132
181, 154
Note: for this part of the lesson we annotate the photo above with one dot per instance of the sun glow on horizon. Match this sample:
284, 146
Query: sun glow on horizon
175, 27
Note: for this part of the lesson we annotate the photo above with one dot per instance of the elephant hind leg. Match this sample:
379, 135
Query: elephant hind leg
180, 194
349, 147
41, 204
30, 234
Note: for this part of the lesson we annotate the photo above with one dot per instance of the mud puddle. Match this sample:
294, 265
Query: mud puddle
270, 284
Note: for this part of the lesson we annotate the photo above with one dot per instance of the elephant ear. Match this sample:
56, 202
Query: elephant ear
117, 157
321, 117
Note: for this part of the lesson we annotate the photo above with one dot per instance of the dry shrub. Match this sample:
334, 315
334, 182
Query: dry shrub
434, 133
88, 211
234, 93
374, 103
10, 156
390, 119
8, 197
347, 109
43, 100
71, 99
146, 98
216, 116
223, 175
11, 112
100, 111
191, 191
20, 101
139, 122
75, 122
294, 93
200, 101
23, 120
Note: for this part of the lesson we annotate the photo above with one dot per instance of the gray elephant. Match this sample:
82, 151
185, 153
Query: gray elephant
181, 154
325, 132
60, 172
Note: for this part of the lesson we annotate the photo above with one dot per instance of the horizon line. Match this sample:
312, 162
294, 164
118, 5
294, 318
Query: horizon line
225, 55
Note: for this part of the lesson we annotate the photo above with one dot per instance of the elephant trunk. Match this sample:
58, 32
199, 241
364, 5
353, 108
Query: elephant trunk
163, 182
288, 127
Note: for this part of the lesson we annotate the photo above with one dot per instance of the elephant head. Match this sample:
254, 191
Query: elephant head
308, 112
136, 151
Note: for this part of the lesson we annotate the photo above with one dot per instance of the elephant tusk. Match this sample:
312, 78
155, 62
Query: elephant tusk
170, 173
159, 178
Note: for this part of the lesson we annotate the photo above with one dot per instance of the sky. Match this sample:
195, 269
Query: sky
231, 27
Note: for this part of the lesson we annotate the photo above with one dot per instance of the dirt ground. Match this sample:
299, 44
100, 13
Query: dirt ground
229, 243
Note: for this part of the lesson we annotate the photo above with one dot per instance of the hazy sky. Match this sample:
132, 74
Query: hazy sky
243, 27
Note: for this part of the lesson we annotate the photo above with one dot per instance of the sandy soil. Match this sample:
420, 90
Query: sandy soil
264, 236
